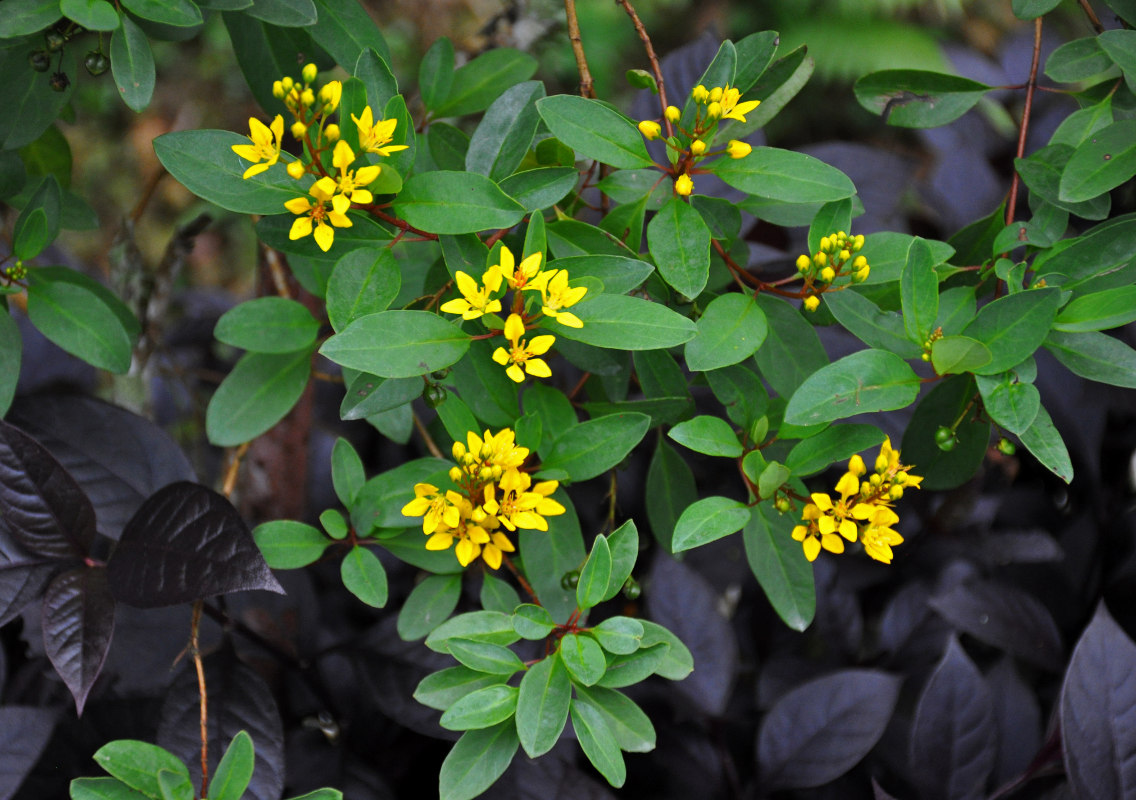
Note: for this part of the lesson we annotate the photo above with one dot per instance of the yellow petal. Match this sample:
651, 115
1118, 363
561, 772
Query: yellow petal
515, 373
811, 547
298, 205
514, 328
440, 541
502, 543
458, 305
466, 551
259, 132
541, 344
256, 169
343, 155
247, 151
832, 543
362, 197
491, 556
500, 355
340, 204
365, 175
822, 501
567, 319
277, 127
324, 236
537, 368
301, 227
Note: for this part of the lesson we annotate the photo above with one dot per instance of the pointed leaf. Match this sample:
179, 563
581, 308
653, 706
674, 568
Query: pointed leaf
594, 577
708, 520
871, 380
730, 330
583, 658
630, 726
235, 770
398, 344
481, 709
428, 606
593, 447
679, 242
477, 761
542, 707
598, 742
779, 564
363, 575
268, 325
624, 545
594, 131
913, 98
456, 202
137, 764
78, 623
261, 389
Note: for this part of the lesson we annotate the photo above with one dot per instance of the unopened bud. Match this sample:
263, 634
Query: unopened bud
672, 113
697, 147
828, 275
812, 303
331, 132
309, 72
299, 129
803, 263
714, 110
278, 90
716, 94
295, 169
650, 129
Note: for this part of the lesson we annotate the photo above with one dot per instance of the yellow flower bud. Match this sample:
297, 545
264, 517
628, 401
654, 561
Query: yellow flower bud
700, 94
684, 185
803, 263
309, 72
650, 129
825, 244
820, 259
295, 169
308, 97
875, 480
812, 303
714, 110
278, 90
672, 113
862, 274
486, 452
287, 83
331, 132
860, 263
698, 147
881, 463
299, 129
900, 478
895, 492
828, 275
856, 466
857, 242
926, 356
455, 474
458, 451
737, 149
845, 255
716, 94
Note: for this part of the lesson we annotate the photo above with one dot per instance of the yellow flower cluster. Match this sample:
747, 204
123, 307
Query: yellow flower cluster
480, 299
834, 259
863, 511
718, 103
490, 491
339, 186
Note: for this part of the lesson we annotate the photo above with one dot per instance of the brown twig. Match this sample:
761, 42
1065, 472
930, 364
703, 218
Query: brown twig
1093, 18
520, 578
230, 482
587, 85
1011, 205
195, 651
656, 70
147, 193
431, 445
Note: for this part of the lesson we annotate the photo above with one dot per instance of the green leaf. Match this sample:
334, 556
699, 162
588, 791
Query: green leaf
477, 84
442, 689
619, 274
919, 291
540, 188
710, 435
436, 73
179, 13
583, 658
1013, 327
234, 772
260, 390
670, 485
630, 726
22, 17
11, 349
1103, 249
368, 395
82, 317
677, 662
1012, 405
679, 242
833, 444
132, 64
30, 105
347, 474
791, 351
345, 30
619, 635
480, 626
321, 794
38, 223
288, 544
772, 478
550, 554
1083, 123
137, 763
911, 98
883, 330
708, 520
485, 657
477, 760
595, 575
481, 709
542, 707
1078, 60
624, 545
397, 344
594, 131
456, 202
730, 330
363, 575
598, 743
1043, 440
429, 604
958, 354
950, 400
1106, 160
593, 447
871, 380
502, 138
780, 566
785, 175
364, 281
94, 15
887, 253
104, 789
1095, 356
634, 668
175, 787
268, 325
1120, 45
832, 217
1031, 9
532, 621
1098, 311
620, 322
286, 13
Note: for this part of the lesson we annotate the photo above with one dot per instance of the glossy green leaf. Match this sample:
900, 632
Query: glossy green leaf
679, 242
478, 83
532, 621
624, 545
1098, 311
179, 13
456, 202
708, 520
595, 446
436, 73
1106, 160
268, 325
11, 349
1031, 9
911, 98
594, 131
791, 351
958, 354
883, 330
94, 15
1078, 60
1010, 404
949, 401
598, 743
137, 763
540, 188
22, 17
677, 661
620, 635
397, 344
542, 707
631, 727
620, 322
480, 626
591, 588
785, 175
1013, 327
619, 274
551, 554
103, 789
634, 668
363, 575
1103, 249
710, 435
1043, 440
1120, 45
368, 395
729, 331
477, 760
174, 786
583, 658
82, 317
30, 105
289, 544
780, 566
887, 253
484, 386
831, 445
481, 709
364, 281
285, 13
502, 138
38, 223
428, 605
1095, 356
347, 474
485, 657
779, 84
919, 291
1083, 123
345, 30
132, 64
233, 774
871, 380
260, 390
440, 690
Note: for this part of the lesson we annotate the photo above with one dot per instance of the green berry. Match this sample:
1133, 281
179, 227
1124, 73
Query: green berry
96, 62
1006, 447
434, 395
632, 589
40, 60
55, 40
946, 439
569, 580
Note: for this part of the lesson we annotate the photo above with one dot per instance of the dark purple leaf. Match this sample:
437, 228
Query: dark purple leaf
546, 778
116, 456
1018, 717
953, 736
186, 542
24, 732
23, 576
238, 700
41, 504
878, 792
1018, 547
1005, 617
1098, 712
908, 631
681, 600
821, 729
78, 623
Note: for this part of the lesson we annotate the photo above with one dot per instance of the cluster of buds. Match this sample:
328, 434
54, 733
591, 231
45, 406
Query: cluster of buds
929, 342
340, 183
836, 257
689, 146
490, 491
483, 301
16, 272
863, 511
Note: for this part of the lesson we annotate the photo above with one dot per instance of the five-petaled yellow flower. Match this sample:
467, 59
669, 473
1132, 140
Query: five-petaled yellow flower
265, 145
556, 295
731, 108
437, 508
521, 354
518, 276
374, 136
349, 181
316, 216
519, 507
475, 300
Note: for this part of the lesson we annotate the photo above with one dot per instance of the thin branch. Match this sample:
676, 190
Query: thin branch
195, 651
655, 68
431, 445
1093, 18
147, 193
587, 85
230, 481
1011, 205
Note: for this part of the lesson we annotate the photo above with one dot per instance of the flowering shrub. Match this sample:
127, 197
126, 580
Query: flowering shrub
536, 265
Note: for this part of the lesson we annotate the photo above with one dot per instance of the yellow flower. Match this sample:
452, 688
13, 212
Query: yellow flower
330, 94
684, 185
265, 145
308, 73
476, 534
518, 277
736, 149
878, 537
350, 180
650, 129
318, 215
475, 300
732, 109
672, 113
521, 354
519, 507
373, 137
435, 507
494, 450
556, 295
811, 303
697, 147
